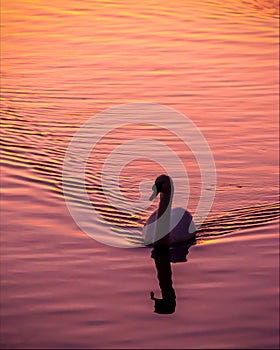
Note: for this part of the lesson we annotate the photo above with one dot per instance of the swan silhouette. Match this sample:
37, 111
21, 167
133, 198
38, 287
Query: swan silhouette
157, 228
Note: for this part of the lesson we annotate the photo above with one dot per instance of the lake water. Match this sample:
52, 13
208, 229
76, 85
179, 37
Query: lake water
62, 63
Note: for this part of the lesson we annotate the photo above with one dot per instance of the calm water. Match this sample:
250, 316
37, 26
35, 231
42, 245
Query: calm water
214, 61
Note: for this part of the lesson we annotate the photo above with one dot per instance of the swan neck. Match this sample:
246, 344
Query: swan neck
165, 203
163, 219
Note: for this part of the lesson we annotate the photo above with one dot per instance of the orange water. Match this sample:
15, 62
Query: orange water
64, 61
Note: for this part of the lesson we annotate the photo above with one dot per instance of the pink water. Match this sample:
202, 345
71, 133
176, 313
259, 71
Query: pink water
62, 62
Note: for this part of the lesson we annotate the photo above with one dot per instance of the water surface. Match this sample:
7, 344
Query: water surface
216, 62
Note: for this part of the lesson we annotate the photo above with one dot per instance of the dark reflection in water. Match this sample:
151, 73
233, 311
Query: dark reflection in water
163, 256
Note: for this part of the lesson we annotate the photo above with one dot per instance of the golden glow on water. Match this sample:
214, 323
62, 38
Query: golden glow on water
217, 64
64, 62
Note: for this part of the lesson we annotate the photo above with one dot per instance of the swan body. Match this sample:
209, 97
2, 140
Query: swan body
183, 232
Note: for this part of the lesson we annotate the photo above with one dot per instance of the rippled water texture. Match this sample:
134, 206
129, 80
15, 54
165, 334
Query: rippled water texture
65, 61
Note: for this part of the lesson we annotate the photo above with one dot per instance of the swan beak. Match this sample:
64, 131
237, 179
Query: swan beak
154, 194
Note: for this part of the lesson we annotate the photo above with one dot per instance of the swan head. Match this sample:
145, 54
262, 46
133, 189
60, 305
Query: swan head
163, 184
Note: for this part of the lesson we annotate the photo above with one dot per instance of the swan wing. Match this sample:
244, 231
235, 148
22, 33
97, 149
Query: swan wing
183, 227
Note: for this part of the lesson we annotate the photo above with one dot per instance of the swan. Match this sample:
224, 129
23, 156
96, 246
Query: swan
157, 232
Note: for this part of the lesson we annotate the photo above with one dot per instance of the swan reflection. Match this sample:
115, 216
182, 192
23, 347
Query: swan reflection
163, 257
